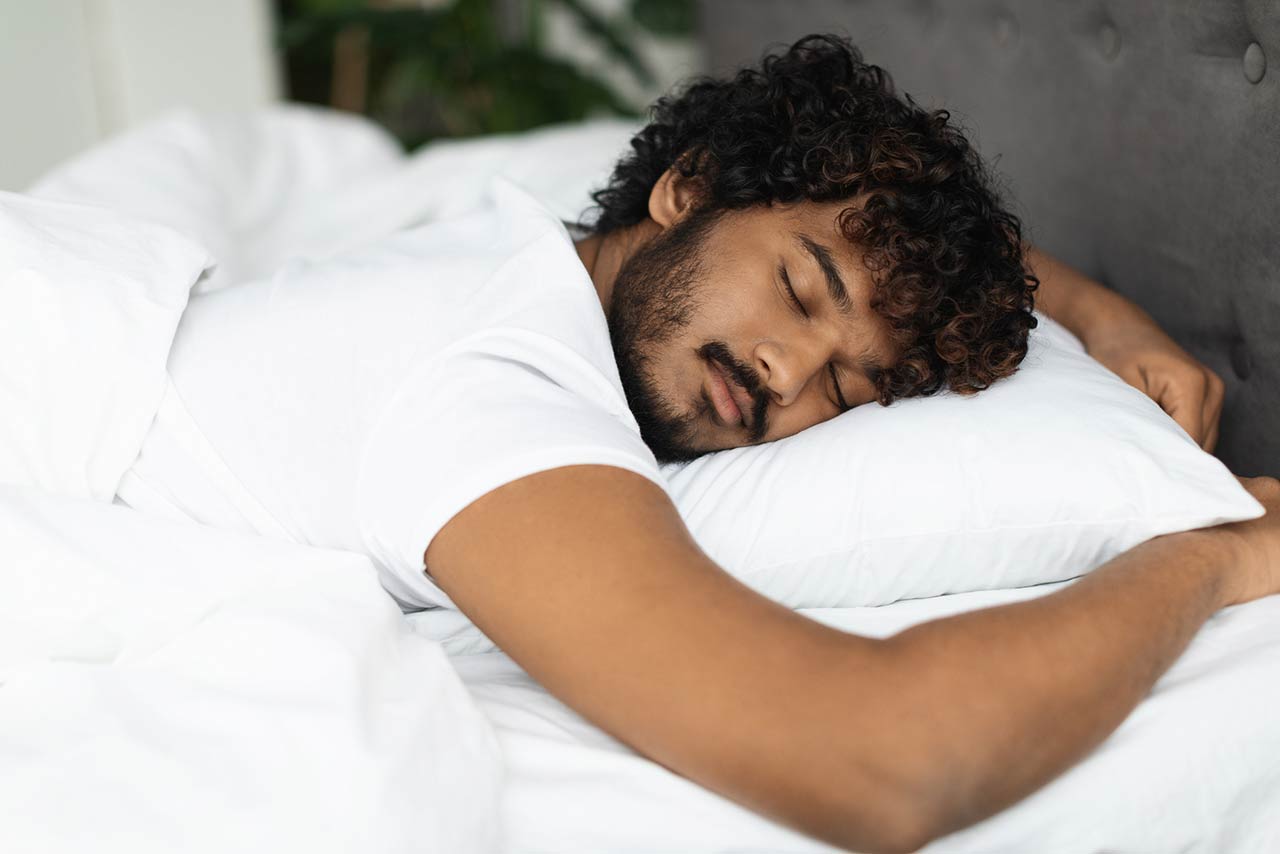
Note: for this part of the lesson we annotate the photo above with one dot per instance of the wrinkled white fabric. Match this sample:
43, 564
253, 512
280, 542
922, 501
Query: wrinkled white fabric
89, 301
360, 402
1194, 769
170, 687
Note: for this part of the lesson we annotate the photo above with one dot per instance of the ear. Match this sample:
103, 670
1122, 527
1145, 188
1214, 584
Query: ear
673, 196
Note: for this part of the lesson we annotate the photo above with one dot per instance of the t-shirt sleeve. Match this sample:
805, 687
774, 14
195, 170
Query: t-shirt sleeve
472, 419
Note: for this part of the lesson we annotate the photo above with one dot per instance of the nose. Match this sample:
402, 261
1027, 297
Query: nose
785, 369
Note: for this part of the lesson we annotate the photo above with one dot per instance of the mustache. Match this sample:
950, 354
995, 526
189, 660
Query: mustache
745, 376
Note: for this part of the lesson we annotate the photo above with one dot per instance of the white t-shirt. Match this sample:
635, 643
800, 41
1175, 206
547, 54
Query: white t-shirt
361, 402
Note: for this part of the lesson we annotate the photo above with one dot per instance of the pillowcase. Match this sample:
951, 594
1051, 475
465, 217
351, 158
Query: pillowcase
255, 187
1042, 477
89, 302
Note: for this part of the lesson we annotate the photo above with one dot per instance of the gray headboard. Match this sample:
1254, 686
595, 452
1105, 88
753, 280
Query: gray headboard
1140, 141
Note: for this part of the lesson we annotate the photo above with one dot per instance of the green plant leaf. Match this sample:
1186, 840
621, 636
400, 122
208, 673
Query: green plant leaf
612, 38
672, 18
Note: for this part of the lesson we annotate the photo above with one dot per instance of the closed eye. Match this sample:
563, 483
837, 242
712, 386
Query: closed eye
831, 368
835, 381
791, 294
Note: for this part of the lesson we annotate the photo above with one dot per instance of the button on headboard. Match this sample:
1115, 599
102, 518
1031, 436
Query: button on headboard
1140, 142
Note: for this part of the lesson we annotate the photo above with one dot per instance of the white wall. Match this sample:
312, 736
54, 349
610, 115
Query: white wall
75, 71
47, 105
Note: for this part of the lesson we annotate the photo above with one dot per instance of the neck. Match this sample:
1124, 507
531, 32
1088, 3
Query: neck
604, 254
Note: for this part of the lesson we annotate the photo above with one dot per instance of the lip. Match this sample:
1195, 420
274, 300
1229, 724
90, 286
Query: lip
728, 397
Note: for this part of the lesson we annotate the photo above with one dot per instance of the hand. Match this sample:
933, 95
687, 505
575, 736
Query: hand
1136, 349
1256, 569
1125, 339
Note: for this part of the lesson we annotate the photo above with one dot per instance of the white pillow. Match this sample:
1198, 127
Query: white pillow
1041, 477
89, 302
254, 187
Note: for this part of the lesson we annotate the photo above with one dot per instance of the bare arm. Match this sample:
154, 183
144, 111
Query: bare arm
1072, 298
1012, 696
588, 578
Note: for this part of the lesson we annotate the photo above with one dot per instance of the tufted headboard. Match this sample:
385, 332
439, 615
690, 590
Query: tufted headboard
1139, 139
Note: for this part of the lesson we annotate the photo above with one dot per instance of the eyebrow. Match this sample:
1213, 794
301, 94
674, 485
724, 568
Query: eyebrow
827, 263
840, 296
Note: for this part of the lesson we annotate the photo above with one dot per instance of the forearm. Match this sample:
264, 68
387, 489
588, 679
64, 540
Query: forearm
1078, 302
1002, 700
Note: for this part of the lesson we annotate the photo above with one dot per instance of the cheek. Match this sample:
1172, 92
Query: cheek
676, 368
737, 314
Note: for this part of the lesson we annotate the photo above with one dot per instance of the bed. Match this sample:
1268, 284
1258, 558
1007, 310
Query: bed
270, 696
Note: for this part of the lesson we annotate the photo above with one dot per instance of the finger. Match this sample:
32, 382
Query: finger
1188, 420
1192, 390
1181, 411
1136, 377
1215, 394
1211, 441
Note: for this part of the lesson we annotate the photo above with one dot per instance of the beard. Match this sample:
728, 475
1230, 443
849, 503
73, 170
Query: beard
654, 299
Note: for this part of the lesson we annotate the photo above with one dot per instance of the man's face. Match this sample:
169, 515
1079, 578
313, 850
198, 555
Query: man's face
712, 351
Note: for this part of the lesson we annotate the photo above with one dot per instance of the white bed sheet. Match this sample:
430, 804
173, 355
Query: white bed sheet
1195, 769
117, 738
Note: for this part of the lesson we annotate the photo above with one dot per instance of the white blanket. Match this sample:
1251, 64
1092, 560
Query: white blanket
168, 687
171, 688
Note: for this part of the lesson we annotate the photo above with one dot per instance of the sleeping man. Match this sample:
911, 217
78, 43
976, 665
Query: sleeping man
486, 421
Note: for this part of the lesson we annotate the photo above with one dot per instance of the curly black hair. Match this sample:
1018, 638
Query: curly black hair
815, 122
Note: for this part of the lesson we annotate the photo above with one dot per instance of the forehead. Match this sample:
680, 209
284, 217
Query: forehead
798, 227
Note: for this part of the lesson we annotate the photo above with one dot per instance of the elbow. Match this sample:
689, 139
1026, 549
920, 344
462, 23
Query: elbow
870, 815
902, 805
910, 787
903, 826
